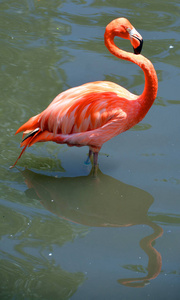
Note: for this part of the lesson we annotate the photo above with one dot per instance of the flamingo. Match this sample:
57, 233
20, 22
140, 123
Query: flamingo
95, 112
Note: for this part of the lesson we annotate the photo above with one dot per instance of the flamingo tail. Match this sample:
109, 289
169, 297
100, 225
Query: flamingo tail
30, 125
35, 136
26, 142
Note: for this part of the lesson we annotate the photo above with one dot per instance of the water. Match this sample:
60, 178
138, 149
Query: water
65, 235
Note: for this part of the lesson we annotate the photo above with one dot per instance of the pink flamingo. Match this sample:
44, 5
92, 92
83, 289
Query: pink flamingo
95, 112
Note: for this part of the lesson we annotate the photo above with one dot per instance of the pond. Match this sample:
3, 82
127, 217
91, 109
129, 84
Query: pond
64, 233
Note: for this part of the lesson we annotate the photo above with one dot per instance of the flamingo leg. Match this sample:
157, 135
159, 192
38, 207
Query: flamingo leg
87, 161
95, 163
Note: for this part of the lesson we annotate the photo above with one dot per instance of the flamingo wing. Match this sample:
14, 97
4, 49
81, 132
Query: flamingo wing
91, 120
87, 115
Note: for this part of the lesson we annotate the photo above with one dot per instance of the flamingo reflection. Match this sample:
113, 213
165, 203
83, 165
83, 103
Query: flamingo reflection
100, 202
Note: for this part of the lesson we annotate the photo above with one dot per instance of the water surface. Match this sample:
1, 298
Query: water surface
65, 235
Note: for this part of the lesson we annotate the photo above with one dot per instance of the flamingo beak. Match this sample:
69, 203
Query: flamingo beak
136, 41
138, 49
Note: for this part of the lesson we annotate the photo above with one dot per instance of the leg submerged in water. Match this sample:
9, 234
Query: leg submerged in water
93, 152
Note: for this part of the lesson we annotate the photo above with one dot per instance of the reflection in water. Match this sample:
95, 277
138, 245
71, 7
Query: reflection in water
102, 202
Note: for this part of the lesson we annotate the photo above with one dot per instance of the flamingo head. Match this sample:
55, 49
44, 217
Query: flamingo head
121, 27
136, 40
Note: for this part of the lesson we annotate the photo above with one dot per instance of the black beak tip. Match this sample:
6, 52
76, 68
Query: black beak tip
139, 48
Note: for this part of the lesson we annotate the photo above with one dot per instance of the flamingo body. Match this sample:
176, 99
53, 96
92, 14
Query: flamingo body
93, 113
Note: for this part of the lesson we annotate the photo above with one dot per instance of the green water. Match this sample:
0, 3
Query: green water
64, 234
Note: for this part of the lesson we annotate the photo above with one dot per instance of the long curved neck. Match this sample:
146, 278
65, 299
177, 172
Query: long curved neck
148, 96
